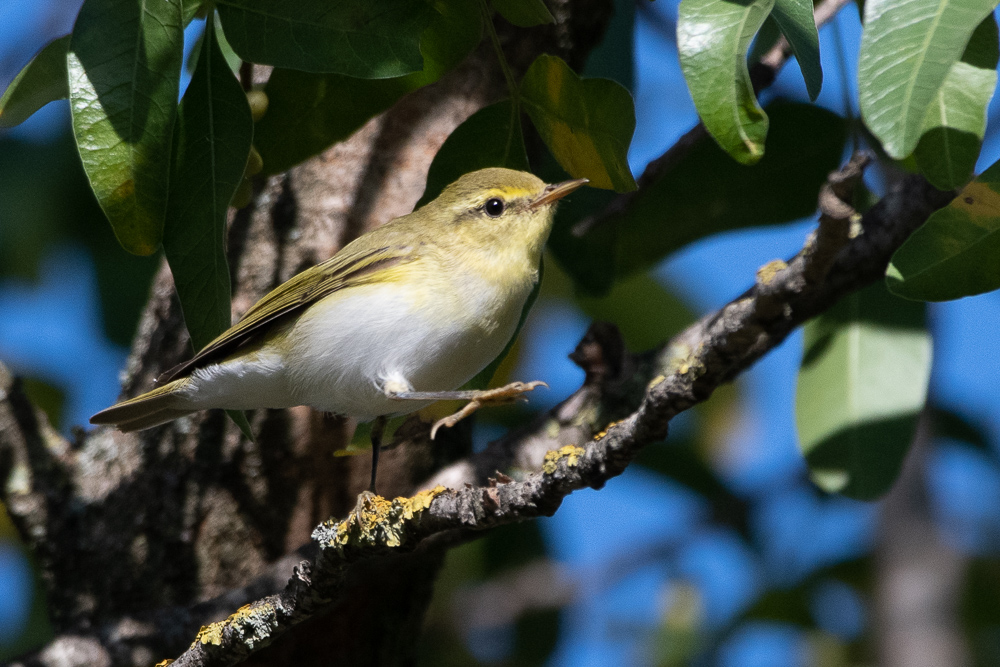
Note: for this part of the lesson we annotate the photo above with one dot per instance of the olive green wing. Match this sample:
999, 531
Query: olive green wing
345, 269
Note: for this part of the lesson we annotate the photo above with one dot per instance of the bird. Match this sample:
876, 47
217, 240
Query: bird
400, 317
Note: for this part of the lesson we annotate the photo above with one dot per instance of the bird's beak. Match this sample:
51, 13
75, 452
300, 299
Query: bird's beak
557, 191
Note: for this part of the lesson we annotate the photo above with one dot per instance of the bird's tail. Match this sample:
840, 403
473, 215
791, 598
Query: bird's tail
151, 409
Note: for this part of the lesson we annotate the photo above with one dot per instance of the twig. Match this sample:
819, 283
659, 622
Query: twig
762, 75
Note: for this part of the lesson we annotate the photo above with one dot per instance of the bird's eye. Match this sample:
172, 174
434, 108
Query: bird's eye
494, 207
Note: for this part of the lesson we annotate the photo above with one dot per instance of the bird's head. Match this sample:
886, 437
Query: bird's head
497, 208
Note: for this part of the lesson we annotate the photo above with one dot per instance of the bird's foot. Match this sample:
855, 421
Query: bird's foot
366, 500
500, 396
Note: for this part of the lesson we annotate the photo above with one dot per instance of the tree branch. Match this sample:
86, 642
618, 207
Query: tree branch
677, 376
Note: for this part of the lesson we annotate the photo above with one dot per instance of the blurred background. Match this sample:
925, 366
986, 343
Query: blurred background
714, 549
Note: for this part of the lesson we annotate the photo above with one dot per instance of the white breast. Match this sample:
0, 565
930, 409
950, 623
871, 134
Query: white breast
344, 348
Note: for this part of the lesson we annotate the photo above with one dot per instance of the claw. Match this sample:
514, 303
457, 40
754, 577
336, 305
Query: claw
500, 396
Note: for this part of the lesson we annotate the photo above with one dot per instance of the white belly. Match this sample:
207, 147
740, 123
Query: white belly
343, 349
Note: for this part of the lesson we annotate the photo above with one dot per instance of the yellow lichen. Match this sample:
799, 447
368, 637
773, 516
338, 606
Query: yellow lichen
164, 663
571, 453
419, 502
766, 273
380, 520
211, 634
607, 428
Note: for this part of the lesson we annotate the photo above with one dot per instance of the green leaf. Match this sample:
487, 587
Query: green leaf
795, 18
211, 142
907, 50
491, 137
953, 129
587, 124
239, 418
954, 126
712, 38
42, 80
956, 252
524, 13
124, 66
862, 384
704, 193
306, 112
372, 40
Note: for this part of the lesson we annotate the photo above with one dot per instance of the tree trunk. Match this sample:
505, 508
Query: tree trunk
127, 523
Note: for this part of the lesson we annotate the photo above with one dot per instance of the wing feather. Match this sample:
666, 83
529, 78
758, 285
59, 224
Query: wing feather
344, 270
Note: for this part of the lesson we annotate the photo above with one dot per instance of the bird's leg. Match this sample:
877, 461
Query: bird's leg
378, 428
477, 398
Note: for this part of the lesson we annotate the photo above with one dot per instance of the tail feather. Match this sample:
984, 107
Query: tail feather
151, 409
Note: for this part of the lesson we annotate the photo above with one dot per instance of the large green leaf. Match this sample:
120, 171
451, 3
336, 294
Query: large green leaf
211, 142
862, 384
956, 252
524, 13
713, 37
953, 129
587, 124
372, 40
954, 126
124, 66
491, 137
907, 50
795, 18
42, 80
706, 192
308, 112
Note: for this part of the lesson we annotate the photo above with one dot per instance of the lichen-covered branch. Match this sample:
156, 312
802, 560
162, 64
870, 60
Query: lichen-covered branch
682, 373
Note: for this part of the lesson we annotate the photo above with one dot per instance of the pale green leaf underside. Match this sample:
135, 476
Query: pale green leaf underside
907, 50
954, 126
863, 382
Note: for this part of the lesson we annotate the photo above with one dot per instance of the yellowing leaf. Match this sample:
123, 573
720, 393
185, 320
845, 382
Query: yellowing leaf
587, 124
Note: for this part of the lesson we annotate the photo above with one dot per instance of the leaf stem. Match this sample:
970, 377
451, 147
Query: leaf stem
507, 74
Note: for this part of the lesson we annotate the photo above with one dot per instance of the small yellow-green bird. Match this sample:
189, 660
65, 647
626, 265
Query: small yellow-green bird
396, 320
